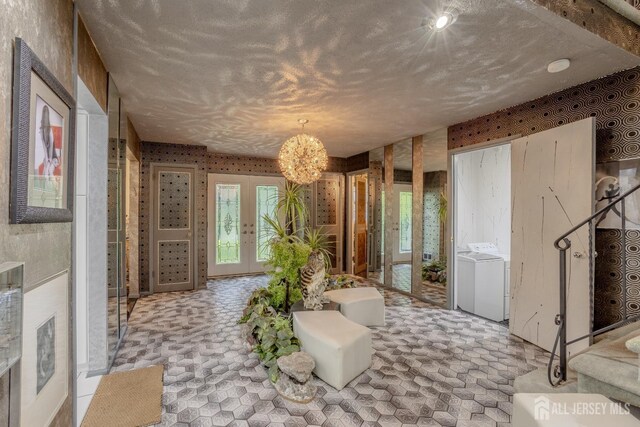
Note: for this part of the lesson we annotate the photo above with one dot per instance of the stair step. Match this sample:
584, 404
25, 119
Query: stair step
536, 382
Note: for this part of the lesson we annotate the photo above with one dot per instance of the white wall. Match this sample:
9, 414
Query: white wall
483, 197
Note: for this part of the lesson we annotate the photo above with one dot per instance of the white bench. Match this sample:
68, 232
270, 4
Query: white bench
568, 410
341, 348
361, 305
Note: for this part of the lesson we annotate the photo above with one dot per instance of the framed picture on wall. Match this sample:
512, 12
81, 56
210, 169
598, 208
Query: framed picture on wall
42, 143
44, 367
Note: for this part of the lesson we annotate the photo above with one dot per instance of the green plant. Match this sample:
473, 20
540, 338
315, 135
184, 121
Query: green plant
318, 241
436, 271
271, 333
286, 258
340, 282
293, 208
278, 292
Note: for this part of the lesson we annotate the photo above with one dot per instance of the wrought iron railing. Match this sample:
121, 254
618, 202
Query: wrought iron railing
557, 373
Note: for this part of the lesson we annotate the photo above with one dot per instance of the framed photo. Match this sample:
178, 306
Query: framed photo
44, 368
42, 144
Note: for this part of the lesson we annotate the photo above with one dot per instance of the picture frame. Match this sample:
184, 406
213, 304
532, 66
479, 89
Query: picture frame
44, 367
42, 143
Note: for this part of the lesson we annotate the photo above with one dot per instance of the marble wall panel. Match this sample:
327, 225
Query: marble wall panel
483, 197
552, 189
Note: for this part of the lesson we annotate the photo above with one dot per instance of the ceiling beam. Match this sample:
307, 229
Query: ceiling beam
596, 17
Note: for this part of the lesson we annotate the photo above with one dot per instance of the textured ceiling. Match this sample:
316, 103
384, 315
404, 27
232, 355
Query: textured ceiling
237, 74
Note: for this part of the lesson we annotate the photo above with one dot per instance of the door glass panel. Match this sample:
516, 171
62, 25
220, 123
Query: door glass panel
406, 201
228, 223
266, 201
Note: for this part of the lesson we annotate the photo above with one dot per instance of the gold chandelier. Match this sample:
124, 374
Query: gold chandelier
302, 158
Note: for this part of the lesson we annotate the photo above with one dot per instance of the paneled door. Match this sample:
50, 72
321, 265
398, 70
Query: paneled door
173, 225
238, 233
402, 214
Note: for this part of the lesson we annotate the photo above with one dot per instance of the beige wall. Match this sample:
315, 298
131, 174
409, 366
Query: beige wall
47, 27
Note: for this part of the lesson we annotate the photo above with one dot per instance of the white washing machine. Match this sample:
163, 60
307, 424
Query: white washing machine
491, 248
481, 284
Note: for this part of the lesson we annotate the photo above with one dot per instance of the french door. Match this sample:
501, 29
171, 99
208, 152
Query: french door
238, 234
402, 214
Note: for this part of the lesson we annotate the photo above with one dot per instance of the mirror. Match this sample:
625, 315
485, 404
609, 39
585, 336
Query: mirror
401, 216
433, 265
376, 215
116, 284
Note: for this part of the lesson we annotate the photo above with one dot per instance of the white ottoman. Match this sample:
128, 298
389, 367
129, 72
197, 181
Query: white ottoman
568, 410
362, 305
341, 348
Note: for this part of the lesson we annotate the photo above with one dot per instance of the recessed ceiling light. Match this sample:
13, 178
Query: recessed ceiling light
559, 65
441, 21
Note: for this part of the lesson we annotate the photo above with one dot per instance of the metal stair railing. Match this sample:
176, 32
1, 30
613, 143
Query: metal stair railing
563, 244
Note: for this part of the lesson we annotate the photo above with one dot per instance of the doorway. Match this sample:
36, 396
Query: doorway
358, 224
172, 225
238, 235
552, 189
482, 224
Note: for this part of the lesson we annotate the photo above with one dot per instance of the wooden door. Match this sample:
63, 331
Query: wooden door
552, 176
173, 229
360, 225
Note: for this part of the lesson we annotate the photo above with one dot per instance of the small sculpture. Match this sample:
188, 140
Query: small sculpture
313, 283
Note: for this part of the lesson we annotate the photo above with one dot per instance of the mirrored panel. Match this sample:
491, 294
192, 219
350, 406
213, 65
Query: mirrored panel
375, 181
401, 216
434, 216
116, 241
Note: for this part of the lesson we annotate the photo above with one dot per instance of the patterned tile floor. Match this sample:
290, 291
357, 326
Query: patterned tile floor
431, 366
436, 293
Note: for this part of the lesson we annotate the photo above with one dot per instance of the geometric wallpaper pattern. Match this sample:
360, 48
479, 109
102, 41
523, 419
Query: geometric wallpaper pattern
614, 101
609, 297
205, 163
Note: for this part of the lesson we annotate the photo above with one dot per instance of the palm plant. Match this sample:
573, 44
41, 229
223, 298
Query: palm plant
319, 242
293, 208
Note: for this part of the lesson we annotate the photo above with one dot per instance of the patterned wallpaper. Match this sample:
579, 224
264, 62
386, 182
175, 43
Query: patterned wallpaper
207, 162
613, 100
177, 155
609, 298
615, 103
234, 164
